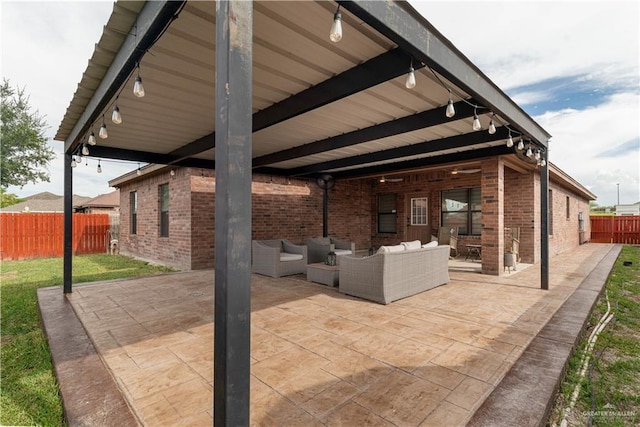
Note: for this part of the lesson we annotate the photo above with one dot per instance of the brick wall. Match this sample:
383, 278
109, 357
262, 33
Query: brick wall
292, 209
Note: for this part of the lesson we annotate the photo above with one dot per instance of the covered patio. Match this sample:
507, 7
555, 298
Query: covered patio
259, 87
322, 358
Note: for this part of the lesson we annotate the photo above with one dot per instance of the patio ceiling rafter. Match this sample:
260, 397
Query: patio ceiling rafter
373, 72
151, 22
405, 124
404, 26
453, 142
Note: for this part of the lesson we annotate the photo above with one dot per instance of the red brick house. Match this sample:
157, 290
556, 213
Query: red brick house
292, 208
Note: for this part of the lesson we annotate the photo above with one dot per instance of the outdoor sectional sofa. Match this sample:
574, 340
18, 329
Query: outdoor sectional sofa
389, 276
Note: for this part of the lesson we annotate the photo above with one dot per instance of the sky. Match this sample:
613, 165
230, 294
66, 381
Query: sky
574, 66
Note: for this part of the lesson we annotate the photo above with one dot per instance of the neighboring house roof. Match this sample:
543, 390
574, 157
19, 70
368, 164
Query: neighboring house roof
45, 204
109, 200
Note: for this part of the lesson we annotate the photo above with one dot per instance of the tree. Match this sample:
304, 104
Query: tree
24, 153
8, 199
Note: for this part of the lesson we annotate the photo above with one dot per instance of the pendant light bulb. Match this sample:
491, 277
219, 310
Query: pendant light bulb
492, 127
529, 152
543, 162
103, 131
410, 83
85, 150
451, 111
73, 162
99, 169
138, 89
335, 35
92, 138
520, 145
138, 172
537, 154
476, 122
116, 117
510, 140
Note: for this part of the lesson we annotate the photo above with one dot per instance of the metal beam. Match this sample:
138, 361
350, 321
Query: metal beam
458, 141
148, 157
393, 127
67, 242
544, 226
415, 35
151, 22
424, 162
377, 70
232, 310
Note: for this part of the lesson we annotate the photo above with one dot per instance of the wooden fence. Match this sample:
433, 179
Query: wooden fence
616, 229
40, 235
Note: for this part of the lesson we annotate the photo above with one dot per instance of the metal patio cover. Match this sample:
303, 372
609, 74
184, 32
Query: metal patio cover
318, 107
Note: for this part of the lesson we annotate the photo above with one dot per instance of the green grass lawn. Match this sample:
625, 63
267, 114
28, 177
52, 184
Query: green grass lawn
29, 392
610, 390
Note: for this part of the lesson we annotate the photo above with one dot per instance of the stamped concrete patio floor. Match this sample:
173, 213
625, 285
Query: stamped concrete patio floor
318, 357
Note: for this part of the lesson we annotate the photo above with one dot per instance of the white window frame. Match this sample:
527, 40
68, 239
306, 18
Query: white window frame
419, 212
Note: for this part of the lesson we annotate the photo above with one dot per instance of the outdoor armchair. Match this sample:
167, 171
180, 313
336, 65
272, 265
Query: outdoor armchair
278, 258
319, 247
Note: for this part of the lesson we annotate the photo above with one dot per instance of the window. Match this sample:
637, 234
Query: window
163, 201
419, 211
133, 203
462, 208
387, 213
568, 202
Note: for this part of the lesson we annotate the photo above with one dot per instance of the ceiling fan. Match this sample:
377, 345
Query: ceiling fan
457, 171
383, 179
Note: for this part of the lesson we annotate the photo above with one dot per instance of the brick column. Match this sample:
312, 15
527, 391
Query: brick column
492, 188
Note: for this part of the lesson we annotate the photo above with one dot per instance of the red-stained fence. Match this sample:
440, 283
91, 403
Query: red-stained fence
616, 229
40, 235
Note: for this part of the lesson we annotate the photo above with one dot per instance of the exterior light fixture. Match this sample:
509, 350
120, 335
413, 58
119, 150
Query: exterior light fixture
92, 138
382, 179
103, 130
116, 117
138, 172
85, 150
410, 83
492, 126
138, 89
529, 153
476, 121
73, 162
451, 111
172, 173
543, 162
509, 140
99, 169
520, 145
335, 35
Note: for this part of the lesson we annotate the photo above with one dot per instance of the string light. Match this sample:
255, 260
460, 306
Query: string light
92, 138
138, 172
529, 153
410, 83
116, 117
138, 89
492, 126
476, 121
85, 150
73, 162
99, 169
520, 145
451, 110
509, 140
103, 130
335, 35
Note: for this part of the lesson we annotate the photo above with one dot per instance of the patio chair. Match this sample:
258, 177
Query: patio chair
319, 247
277, 258
448, 236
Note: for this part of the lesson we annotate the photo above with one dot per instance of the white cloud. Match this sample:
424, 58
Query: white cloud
518, 44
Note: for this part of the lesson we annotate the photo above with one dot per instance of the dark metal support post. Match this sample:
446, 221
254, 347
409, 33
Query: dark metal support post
68, 226
325, 212
544, 226
232, 307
